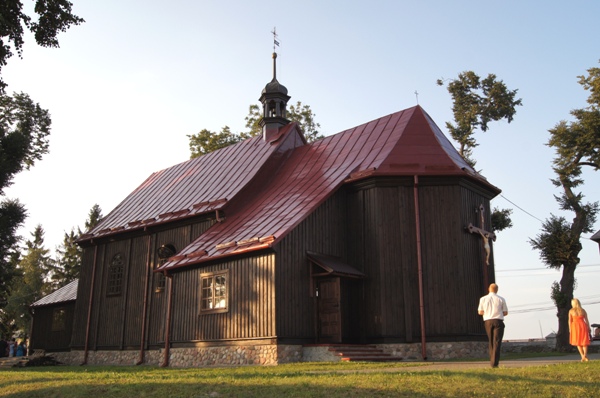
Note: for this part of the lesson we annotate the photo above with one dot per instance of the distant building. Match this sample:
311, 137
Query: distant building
596, 238
52, 322
250, 253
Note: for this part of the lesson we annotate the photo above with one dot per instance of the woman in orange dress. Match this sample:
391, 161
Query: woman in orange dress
579, 329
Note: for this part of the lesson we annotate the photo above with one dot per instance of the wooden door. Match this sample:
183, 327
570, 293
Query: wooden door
329, 311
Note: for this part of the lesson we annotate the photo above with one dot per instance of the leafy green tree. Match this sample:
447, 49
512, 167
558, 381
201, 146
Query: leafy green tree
476, 103
207, 141
53, 16
501, 219
32, 283
24, 130
69, 254
12, 216
577, 144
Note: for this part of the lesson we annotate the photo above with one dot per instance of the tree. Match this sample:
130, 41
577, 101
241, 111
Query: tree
94, 217
54, 16
207, 141
32, 283
577, 144
476, 103
24, 130
69, 255
12, 216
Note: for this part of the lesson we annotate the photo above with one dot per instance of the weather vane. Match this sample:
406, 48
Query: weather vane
417, 95
275, 42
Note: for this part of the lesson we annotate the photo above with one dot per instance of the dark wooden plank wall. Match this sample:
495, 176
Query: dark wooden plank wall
452, 267
383, 240
251, 302
44, 337
116, 321
84, 288
109, 325
383, 244
474, 254
324, 231
133, 298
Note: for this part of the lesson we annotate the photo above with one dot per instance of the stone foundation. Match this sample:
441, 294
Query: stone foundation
268, 354
272, 354
437, 351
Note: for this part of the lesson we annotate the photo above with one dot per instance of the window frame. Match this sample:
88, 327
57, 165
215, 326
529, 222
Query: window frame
212, 276
116, 273
59, 322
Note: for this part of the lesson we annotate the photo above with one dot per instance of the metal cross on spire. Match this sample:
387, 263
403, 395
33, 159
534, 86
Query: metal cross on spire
275, 42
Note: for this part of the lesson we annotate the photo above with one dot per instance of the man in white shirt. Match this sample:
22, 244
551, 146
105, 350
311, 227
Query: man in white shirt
494, 309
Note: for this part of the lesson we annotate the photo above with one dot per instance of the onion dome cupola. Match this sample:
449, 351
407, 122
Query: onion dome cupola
274, 99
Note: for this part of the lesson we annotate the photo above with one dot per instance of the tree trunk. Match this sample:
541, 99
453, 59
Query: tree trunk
563, 305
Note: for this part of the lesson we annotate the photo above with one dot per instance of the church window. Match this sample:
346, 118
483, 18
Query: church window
214, 292
164, 252
115, 275
59, 320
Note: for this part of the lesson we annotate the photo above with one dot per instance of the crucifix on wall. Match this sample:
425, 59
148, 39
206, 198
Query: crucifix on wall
485, 235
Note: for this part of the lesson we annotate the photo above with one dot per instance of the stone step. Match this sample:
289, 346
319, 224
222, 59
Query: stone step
366, 353
9, 362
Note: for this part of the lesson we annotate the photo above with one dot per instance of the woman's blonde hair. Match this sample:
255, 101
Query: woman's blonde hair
576, 306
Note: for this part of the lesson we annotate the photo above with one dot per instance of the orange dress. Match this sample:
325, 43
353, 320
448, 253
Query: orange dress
580, 334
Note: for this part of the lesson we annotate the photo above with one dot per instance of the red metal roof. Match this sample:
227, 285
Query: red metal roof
200, 185
62, 295
292, 184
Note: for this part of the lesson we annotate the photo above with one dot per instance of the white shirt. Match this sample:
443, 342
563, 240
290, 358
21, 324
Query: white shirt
493, 306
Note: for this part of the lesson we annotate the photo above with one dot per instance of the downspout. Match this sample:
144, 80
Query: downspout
145, 308
420, 267
31, 341
168, 323
89, 317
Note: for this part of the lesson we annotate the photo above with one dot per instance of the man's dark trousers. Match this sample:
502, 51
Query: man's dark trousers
495, 331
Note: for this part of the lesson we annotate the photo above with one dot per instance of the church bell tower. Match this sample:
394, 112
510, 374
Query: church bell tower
274, 100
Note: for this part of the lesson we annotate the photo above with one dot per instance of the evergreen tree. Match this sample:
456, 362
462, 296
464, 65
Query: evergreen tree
32, 282
69, 254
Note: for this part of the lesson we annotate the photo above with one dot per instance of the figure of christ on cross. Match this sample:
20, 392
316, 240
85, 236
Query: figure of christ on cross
485, 235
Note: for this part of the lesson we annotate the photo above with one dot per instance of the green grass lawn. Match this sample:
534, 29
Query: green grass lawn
330, 380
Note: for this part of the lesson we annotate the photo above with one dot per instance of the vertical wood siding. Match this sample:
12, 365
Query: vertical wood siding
116, 321
383, 239
324, 231
250, 313
84, 288
43, 337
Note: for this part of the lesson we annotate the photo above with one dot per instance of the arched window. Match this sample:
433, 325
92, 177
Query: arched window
115, 275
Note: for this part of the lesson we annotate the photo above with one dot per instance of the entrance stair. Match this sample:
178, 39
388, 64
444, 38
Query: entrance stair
363, 353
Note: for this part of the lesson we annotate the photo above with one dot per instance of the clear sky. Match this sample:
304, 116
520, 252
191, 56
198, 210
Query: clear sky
127, 87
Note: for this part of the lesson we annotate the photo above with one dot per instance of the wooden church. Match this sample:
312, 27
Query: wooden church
254, 252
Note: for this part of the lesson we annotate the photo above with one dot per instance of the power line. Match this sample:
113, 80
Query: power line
520, 208
539, 309
528, 213
543, 268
